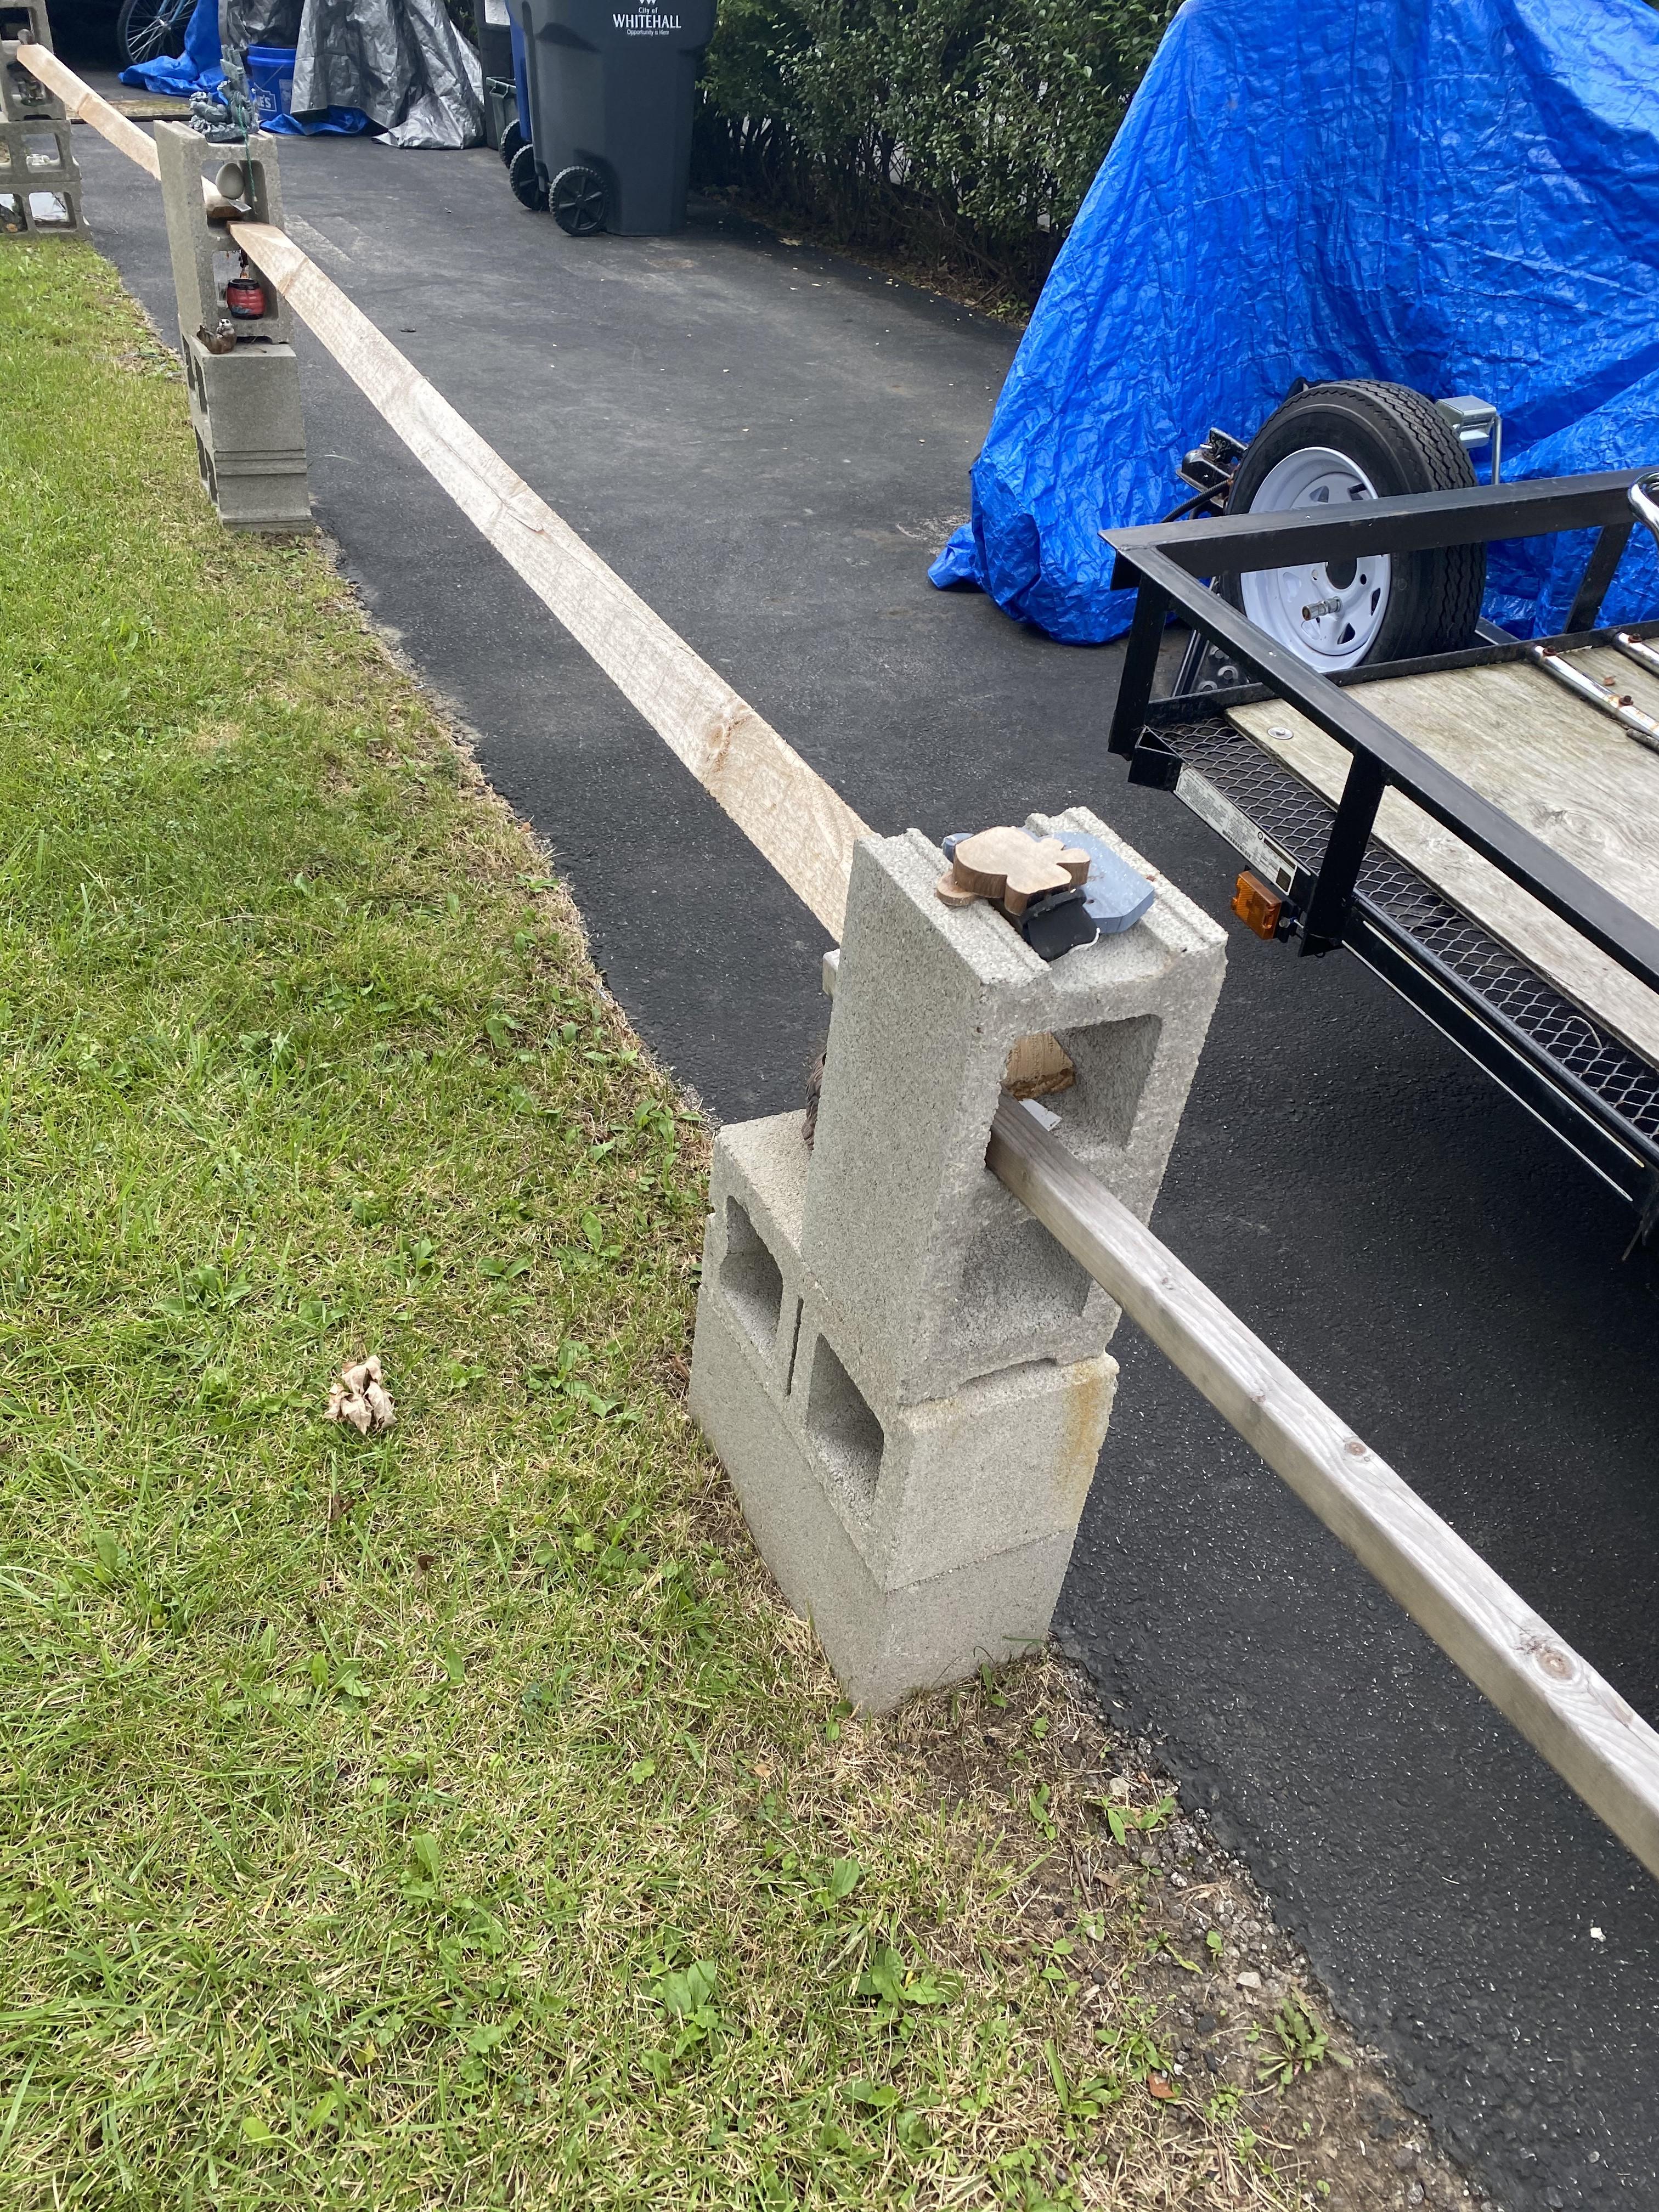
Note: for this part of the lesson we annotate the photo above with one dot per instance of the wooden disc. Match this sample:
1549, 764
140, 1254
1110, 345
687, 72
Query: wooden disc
1013, 867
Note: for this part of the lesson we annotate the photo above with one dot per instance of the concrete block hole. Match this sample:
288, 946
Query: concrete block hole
1112, 1061
846, 1431
1014, 1261
751, 1278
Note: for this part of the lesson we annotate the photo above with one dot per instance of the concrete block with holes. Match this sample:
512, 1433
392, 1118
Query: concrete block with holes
250, 435
905, 1376
921, 1539
939, 1274
245, 403
203, 253
39, 177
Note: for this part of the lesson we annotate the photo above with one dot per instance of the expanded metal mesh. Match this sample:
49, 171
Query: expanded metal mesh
1299, 821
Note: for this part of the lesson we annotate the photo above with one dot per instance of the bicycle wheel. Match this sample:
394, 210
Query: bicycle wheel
151, 30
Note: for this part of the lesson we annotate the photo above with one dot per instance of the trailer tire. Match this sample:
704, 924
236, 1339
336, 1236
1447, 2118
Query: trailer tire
1357, 440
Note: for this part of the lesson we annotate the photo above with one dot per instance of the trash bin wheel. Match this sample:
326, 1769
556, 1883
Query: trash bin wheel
528, 189
576, 196
512, 139
1331, 444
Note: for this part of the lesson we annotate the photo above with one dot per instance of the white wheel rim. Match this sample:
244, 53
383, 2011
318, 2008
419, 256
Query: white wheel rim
1328, 616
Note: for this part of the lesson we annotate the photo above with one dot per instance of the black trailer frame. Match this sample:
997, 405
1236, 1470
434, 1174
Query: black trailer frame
1588, 1087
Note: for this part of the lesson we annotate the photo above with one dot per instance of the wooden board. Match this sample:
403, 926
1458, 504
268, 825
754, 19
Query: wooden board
784, 807
1592, 1738
88, 106
1564, 771
798, 822
1037, 1068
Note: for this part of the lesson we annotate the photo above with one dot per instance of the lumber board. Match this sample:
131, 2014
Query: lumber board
1569, 774
799, 822
1598, 1745
80, 101
796, 820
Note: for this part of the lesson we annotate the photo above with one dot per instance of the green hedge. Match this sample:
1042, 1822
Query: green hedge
963, 130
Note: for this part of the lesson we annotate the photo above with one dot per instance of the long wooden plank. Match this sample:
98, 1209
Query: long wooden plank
1569, 773
798, 821
1593, 1739
88, 106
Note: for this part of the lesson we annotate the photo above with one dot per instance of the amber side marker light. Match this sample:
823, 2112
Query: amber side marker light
1257, 905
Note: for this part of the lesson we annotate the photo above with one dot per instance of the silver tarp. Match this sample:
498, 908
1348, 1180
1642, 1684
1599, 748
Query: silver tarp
243, 23
402, 62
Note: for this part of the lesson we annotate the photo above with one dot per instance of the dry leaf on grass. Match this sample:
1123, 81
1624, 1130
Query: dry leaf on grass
361, 1397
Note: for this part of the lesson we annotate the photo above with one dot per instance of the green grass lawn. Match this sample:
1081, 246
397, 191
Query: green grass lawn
454, 1817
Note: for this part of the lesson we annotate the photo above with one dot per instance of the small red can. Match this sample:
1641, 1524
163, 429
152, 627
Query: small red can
245, 294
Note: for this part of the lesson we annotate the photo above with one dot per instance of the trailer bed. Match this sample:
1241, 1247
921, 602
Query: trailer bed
1480, 826
1571, 775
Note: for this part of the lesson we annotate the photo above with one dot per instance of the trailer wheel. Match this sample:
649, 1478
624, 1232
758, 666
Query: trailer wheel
526, 180
1331, 444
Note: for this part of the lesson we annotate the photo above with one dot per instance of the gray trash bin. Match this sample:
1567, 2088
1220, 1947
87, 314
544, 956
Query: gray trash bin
493, 27
612, 89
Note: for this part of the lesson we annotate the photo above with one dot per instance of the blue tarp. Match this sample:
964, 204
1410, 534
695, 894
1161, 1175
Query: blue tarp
1458, 195
198, 70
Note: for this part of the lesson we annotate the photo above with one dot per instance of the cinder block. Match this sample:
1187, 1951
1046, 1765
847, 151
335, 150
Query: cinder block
34, 210
882, 1641
205, 254
248, 400
39, 180
921, 1537
250, 435
36, 155
243, 404
936, 1274
23, 95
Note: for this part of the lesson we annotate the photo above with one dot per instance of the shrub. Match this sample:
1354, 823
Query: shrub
969, 129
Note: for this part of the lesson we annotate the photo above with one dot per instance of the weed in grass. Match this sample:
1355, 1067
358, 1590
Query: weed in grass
1295, 2043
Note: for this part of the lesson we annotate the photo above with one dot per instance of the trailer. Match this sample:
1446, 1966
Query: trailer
1473, 815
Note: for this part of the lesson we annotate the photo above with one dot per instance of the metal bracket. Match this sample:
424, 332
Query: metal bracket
1477, 422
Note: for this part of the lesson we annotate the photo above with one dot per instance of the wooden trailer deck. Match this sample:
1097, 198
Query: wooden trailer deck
1554, 764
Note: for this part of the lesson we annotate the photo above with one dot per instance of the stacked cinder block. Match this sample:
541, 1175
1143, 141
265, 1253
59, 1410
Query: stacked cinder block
243, 403
906, 1377
39, 178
